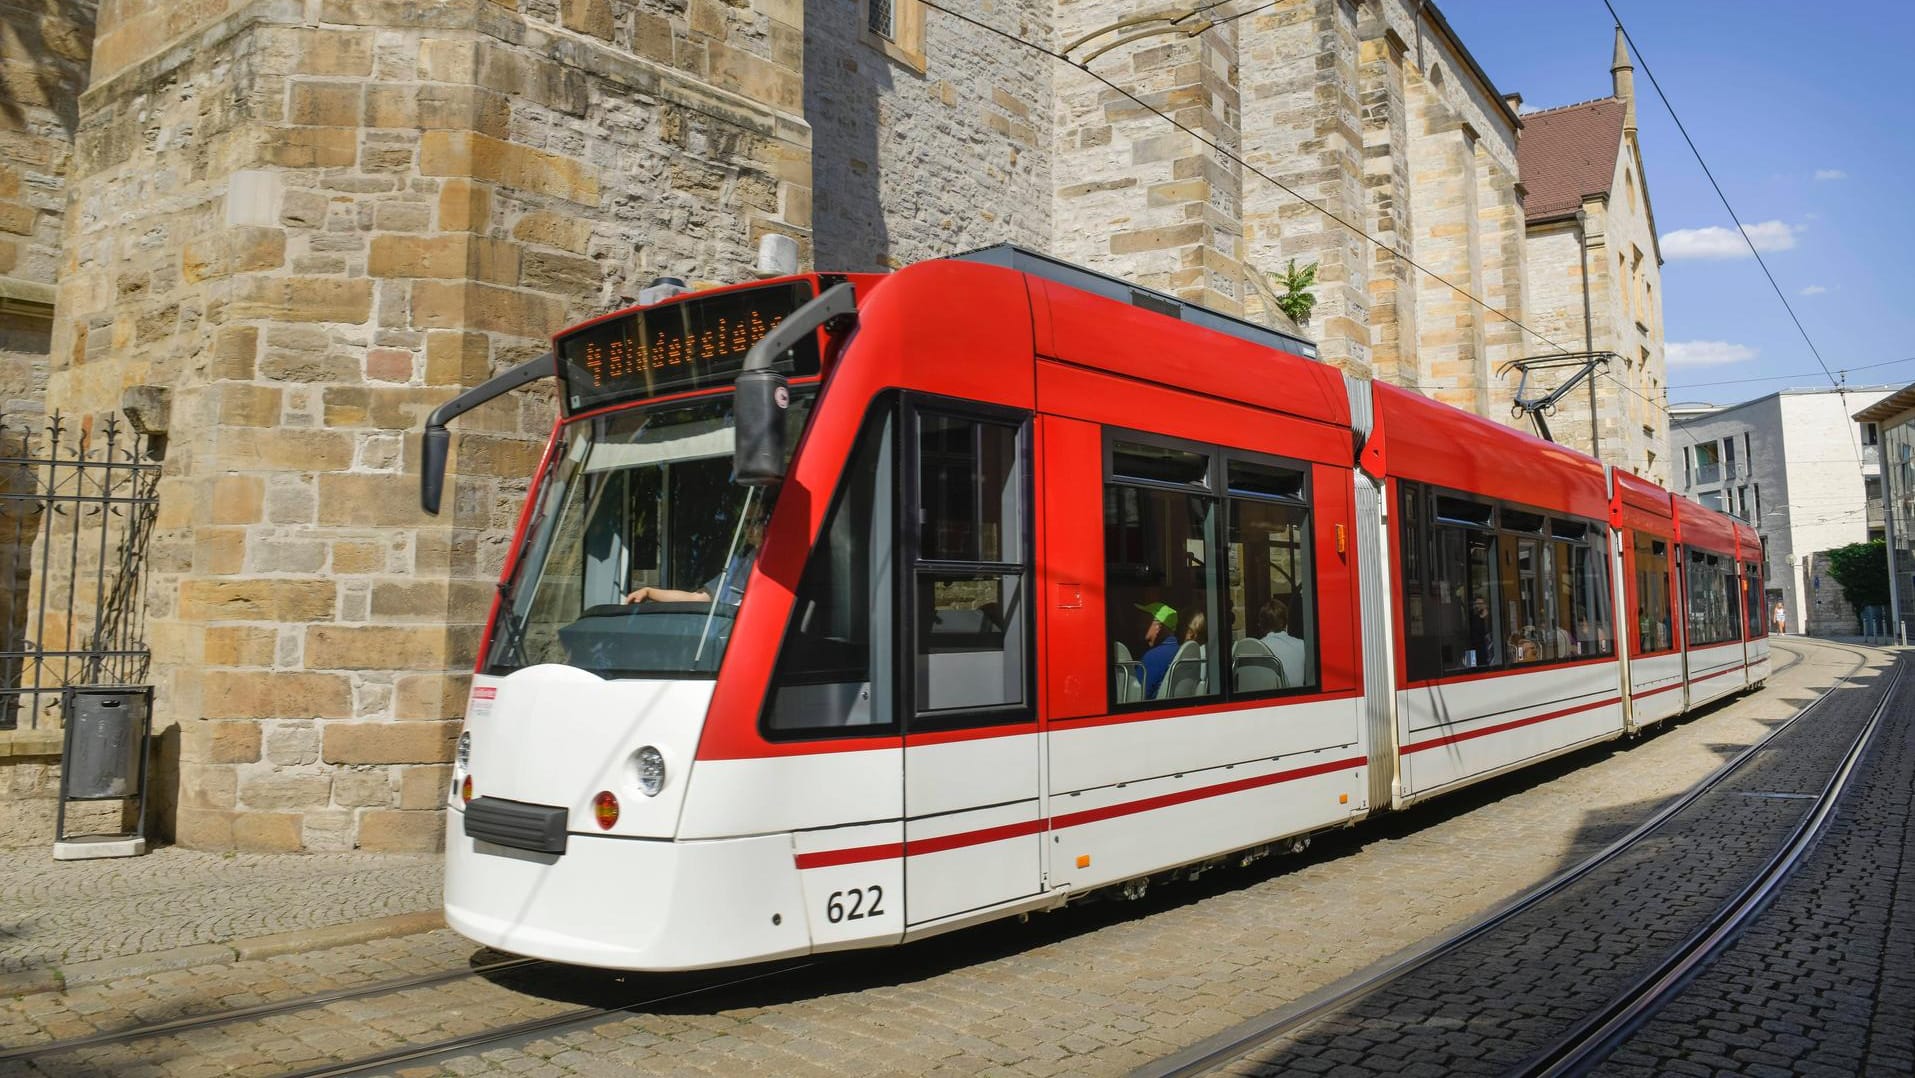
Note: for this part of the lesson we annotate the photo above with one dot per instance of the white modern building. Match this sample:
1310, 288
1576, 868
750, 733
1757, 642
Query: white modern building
1796, 466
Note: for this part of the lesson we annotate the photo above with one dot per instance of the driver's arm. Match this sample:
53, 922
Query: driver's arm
668, 595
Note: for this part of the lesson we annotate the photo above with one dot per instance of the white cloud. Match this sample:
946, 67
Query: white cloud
1705, 353
1830, 174
1814, 290
1718, 242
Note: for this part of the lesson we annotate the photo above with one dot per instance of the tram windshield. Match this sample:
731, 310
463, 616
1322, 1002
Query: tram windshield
637, 556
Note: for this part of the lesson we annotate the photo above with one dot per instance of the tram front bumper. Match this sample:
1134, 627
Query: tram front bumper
623, 903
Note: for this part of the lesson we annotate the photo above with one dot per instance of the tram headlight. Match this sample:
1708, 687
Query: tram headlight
648, 766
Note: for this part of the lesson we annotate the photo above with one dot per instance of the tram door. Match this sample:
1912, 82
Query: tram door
973, 821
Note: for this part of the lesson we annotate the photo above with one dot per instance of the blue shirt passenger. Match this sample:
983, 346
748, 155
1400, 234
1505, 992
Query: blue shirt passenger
1160, 645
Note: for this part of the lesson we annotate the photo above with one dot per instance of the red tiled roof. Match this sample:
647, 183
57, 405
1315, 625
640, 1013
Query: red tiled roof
1566, 154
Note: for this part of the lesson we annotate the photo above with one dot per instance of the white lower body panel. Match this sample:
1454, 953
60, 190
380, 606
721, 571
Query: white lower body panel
1455, 732
1655, 688
1715, 671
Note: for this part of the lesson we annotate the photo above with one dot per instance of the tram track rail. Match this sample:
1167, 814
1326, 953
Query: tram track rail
214, 1019
1585, 1046
520, 1031
1578, 1050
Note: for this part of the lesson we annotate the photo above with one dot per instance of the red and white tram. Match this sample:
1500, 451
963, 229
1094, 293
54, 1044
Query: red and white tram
1003, 582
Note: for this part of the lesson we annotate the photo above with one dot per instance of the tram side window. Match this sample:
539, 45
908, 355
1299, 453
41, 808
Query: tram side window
1160, 580
971, 616
1524, 614
1752, 594
1580, 562
1653, 625
1272, 607
1491, 585
1712, 601
834, 667
1448, 585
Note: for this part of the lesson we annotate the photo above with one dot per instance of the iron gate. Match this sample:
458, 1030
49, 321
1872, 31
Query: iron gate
77, 507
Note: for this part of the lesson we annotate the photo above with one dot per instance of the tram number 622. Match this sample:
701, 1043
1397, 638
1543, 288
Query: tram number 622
863, 903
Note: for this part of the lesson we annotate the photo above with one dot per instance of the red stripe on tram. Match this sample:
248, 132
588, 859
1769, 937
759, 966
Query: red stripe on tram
891, 850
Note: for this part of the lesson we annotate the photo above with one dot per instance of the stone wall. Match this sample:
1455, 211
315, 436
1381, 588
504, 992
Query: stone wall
312, 230
44, 47
888, 124
29, 787
1829, 612
1135, 196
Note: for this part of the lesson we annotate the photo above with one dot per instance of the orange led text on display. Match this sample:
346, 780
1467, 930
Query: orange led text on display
694, 343
629, 358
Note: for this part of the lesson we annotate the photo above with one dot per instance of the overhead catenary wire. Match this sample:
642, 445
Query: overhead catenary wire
1246, 165
1799, 374
1840, 388
1279, 184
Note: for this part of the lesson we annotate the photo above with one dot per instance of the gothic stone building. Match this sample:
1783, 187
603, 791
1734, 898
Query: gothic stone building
289, 228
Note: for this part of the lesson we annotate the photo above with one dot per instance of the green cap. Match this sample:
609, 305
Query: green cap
1162, 612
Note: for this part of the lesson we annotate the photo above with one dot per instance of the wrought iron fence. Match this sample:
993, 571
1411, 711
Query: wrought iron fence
77, 508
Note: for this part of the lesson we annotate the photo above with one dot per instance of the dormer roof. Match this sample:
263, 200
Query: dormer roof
1568, 154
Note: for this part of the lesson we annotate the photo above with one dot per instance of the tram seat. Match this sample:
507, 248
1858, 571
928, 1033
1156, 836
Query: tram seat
1185, 677
1127, 685
1255, 668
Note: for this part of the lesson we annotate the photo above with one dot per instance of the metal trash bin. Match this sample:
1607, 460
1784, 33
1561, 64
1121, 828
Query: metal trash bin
104, 759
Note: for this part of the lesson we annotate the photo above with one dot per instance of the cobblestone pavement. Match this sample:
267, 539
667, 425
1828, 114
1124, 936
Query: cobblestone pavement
1095, 989
1507, 994
1823, 983
57, 912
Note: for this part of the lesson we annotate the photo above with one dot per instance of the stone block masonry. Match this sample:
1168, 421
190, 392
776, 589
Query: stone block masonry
312, 223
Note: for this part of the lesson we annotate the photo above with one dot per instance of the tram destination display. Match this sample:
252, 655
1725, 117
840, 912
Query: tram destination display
695, 343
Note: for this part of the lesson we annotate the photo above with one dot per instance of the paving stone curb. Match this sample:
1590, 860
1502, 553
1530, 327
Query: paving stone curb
102, 970
31, 982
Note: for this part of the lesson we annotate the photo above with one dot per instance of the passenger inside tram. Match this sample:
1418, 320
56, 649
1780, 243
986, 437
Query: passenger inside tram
1160, 645
1289, 650
1482, 642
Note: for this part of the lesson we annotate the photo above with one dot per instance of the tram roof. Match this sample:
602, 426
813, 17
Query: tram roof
1638, 500
1697, 525
1431, 442
1023, 260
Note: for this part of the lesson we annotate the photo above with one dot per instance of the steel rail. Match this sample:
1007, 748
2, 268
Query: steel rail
1590, 1041
565, 1019
261, 1010
1232, 1043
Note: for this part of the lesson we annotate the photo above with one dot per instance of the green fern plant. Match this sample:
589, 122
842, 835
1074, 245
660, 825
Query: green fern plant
1294, 295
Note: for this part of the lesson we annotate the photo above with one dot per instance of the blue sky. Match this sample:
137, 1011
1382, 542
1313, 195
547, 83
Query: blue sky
1774, 95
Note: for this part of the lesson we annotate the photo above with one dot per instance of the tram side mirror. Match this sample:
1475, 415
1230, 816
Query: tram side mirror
758, 413
432, 470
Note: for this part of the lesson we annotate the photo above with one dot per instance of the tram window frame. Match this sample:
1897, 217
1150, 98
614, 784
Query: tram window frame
1208, 495
1472, 545
1752, 601
1306, 676
1015, 561
1641, 625
875, 457
1713, 599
